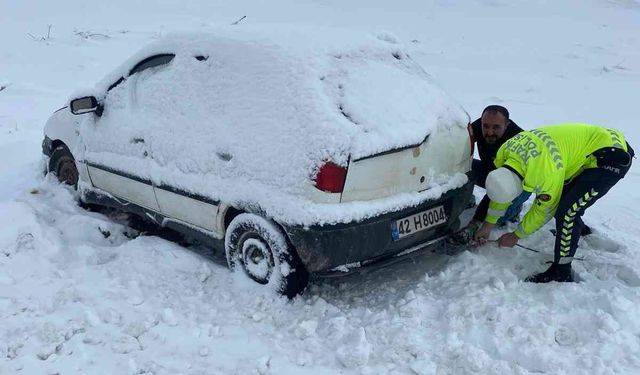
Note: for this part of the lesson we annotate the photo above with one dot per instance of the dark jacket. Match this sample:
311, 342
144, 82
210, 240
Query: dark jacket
488, 151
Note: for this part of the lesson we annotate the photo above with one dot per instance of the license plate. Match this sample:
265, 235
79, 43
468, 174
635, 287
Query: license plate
418, 222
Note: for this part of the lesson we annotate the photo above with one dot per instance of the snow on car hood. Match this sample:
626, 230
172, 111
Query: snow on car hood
264, 110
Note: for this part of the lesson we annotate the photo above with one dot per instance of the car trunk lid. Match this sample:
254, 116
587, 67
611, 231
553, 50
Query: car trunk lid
442, 154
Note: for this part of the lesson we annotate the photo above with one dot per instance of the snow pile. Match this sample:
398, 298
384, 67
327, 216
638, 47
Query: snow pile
354, 350
80, 295
77, 295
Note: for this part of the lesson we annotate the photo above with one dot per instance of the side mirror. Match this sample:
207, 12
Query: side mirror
85, 105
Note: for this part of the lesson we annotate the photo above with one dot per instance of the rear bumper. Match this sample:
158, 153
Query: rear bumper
337, 249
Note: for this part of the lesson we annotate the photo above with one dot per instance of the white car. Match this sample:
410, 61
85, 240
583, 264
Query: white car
295, 154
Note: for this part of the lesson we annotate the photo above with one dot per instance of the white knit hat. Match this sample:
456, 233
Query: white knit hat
503, 186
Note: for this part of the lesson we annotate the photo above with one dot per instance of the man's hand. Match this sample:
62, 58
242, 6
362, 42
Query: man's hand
482, 235
508, 240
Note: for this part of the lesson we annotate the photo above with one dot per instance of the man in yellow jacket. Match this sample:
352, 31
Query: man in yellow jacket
569, 167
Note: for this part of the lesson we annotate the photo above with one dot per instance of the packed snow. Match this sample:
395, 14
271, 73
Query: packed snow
83, 292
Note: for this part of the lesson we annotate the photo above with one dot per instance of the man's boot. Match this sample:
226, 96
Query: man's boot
557, 272
585, 231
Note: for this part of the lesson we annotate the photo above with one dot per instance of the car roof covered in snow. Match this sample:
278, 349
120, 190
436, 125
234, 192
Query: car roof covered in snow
360, 93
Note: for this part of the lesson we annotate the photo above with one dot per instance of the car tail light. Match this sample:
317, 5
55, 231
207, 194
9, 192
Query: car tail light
331, 177
471, 139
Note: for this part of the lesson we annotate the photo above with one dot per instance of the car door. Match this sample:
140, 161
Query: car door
169, 139
117, 152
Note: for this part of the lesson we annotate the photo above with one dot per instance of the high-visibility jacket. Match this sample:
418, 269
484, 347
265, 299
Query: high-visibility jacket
547, 158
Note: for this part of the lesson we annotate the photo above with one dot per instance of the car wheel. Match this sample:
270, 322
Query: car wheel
258, 248
63, 165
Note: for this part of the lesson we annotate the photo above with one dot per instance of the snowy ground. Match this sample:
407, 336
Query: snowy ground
77, 295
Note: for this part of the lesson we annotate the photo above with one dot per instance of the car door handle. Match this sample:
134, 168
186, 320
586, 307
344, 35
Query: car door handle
137, 140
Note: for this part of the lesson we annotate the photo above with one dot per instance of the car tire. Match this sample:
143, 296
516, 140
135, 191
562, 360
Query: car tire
63, 165
260, 249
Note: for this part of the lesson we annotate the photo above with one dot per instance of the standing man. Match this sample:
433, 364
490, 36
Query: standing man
490, 132
569, 167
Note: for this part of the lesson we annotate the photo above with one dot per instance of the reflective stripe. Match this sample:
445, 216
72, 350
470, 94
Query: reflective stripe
551, 146
519, 231
567, 225
496, 213
615, 138
565, 239
565, 260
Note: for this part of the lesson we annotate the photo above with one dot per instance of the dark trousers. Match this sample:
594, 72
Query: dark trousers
581, 193
479, 173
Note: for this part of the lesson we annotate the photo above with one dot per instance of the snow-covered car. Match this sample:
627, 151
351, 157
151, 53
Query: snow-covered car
292, 154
